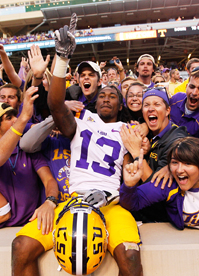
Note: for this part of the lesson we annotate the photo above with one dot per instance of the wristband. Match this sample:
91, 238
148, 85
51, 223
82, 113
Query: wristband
5, 209
61, 65
15, 131
53, 199
37, 78
121, 70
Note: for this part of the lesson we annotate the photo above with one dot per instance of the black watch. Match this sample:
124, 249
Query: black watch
53, 199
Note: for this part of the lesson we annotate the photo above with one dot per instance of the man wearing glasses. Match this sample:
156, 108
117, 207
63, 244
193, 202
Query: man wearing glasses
185, 107
156, 111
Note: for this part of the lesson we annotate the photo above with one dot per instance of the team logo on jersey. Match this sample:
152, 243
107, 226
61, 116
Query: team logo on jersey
90, 119
154, 156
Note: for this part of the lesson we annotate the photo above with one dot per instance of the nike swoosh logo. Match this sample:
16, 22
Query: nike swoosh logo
114, 130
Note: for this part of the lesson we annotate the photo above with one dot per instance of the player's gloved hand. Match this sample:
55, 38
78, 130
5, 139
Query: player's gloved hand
65, 40
99, 198
96, 198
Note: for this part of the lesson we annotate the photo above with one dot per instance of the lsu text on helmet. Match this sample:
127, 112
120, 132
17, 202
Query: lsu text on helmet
80, 237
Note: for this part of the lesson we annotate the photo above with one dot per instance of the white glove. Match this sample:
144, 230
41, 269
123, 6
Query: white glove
96, 198
65, 40
99, 198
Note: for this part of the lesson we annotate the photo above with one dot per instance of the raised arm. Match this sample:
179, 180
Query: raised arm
65, 45
28, 143
9, 68
37, 64
10, 139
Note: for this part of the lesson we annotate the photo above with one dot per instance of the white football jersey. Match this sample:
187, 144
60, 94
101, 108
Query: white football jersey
97, 154
191, 208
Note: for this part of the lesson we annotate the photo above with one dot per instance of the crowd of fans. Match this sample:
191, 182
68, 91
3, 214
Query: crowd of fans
153, 117
40, 37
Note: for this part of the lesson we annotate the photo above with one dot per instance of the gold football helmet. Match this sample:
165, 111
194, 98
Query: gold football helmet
80, 237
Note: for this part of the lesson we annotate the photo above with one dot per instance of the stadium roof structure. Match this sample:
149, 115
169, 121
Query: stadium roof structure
180, 39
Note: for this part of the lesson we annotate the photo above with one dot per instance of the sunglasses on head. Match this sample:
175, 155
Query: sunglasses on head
195, 70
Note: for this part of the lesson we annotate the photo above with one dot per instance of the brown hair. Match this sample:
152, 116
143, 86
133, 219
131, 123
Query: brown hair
190, 62
185, 150
18, 90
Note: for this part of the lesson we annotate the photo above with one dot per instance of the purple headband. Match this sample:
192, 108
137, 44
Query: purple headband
156, 92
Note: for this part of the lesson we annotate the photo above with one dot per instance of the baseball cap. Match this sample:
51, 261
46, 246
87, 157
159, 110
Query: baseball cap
158, 91
3, 111
146, 56
92, 64
165, 69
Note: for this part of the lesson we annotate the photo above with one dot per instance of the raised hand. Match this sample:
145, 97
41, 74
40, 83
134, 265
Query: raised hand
24, 63
65, 40
28, 102
2, 50
37, 63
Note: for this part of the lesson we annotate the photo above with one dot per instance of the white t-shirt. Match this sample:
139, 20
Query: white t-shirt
97, 154
191, 208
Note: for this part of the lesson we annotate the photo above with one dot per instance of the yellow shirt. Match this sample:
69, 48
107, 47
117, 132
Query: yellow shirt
181, 87
172, 86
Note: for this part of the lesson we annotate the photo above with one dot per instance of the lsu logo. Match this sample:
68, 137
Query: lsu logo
154, 156
90, 119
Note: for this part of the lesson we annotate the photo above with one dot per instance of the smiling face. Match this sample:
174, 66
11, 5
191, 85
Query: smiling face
192, 92
89, 82
185, 174
108, 104
134, 98
155, 113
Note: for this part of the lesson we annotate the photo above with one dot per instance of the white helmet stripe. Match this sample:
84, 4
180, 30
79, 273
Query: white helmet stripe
79, 244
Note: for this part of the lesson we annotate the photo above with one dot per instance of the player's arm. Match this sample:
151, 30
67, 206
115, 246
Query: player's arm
5, 212
65, 46
45, 213
28, 143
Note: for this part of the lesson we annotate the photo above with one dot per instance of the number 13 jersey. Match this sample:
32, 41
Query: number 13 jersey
97, 154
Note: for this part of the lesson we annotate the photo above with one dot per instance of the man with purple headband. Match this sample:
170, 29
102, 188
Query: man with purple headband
156, 112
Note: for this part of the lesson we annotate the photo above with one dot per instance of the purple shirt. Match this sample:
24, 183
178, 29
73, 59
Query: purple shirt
161, 134
20, 186
139, 197
83, 99
57, 151
178, 116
